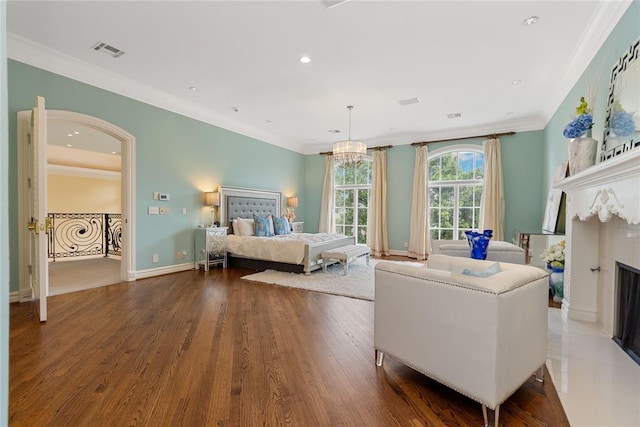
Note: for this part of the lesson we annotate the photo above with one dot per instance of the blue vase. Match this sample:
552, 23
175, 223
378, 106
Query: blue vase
556, 280
479, 243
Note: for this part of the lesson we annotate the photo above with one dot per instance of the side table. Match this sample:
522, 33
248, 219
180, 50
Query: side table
211, 247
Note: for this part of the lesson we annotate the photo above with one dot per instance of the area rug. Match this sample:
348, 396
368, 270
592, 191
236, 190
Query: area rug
357, 284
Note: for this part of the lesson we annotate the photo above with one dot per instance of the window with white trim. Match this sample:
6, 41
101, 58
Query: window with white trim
351, 188
455, 187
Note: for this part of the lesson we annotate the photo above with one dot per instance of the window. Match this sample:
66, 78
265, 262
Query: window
455, 187
352, 185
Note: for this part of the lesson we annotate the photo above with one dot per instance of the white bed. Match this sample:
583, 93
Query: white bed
296, 252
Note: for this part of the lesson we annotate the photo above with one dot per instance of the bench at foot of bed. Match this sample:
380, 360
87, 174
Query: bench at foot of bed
345, 255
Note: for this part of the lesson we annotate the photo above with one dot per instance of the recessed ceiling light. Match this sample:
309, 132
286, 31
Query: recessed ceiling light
236, 109
69, 134
516, 82
530, 20
76, 133
114, 152
69, 145
305, 59
193, 89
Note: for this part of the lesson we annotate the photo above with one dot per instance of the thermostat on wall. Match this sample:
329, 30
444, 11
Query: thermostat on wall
164, 196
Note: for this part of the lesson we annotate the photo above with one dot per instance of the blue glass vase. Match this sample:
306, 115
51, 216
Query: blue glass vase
479, 243
556, 280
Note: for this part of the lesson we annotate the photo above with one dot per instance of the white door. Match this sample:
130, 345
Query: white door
38, 219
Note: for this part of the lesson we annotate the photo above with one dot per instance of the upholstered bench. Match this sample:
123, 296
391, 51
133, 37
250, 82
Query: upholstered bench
345, 255
497, 251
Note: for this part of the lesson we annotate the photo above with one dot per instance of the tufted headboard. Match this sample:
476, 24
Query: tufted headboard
244, 202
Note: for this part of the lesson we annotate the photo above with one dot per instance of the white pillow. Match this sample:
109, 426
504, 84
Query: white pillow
245, 227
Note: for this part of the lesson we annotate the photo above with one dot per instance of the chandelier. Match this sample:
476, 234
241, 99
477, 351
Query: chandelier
349, 152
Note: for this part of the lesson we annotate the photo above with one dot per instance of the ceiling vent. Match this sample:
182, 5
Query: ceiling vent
409, 101
454, 115
109, 50
334, 131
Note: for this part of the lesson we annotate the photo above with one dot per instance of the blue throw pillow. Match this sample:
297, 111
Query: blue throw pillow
495, 268
263, 226
281, 226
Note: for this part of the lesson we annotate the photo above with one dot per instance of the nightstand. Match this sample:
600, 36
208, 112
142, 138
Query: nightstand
211, 247
297, 227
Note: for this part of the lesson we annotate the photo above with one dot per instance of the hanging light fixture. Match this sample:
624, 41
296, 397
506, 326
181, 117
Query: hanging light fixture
349, 152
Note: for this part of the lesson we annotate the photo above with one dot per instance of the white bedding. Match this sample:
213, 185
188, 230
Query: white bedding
287, 248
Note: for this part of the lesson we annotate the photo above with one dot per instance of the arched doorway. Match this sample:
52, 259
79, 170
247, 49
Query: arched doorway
127, 141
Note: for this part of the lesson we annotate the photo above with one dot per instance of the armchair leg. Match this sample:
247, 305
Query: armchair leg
379, 358
539, 375
496, 413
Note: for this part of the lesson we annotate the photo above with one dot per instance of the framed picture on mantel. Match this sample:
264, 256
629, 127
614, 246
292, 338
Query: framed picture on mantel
553, 221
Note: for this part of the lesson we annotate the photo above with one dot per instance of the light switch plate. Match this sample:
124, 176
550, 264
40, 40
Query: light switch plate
164, 211
154, 210
164, 196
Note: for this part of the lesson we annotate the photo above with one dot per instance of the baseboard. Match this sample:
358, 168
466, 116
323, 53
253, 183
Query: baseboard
578, 314
143, 274
14, 297
399, 253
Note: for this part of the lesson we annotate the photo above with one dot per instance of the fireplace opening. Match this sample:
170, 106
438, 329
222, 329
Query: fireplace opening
628, 313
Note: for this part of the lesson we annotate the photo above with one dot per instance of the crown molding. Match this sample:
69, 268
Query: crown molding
596, 32
525, 124
28, 52
83, 172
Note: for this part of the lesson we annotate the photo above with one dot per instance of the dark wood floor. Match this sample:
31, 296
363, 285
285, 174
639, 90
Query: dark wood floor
209, 349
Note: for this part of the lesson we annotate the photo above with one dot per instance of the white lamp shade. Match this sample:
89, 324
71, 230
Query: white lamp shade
292, 202
212, 198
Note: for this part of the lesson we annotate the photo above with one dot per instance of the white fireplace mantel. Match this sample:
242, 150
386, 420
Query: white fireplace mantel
608, 188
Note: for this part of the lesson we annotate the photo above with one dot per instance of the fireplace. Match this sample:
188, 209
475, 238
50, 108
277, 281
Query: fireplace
603, 227
628, 311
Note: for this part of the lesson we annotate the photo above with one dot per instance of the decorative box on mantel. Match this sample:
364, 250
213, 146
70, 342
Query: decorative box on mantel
606, 189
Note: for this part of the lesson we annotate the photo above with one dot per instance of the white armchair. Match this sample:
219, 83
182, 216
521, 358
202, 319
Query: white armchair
483, 337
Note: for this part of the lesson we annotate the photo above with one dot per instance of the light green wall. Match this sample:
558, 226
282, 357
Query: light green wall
596, 75
522, 170
4, 225
174, 154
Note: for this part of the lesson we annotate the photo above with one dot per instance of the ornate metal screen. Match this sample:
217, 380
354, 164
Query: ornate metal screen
85, 234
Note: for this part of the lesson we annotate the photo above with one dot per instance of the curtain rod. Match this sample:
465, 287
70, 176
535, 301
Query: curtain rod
379, 148
491, 135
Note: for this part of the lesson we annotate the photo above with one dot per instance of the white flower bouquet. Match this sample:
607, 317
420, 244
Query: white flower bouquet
554, 255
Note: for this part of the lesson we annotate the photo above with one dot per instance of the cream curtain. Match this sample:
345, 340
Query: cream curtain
377, 233
326, 205
492, 208
419, 225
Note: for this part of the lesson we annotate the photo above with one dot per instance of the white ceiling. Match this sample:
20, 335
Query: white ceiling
454, 56
77, 136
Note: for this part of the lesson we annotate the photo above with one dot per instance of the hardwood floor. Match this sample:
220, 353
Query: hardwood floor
209, 349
